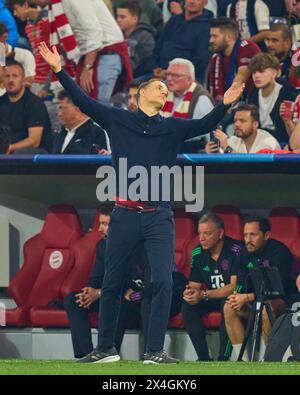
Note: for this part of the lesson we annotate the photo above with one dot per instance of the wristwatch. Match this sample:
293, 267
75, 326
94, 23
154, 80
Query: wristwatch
88, 66
205, 295
228, 150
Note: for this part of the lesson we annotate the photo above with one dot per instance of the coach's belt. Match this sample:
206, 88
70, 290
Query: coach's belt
137, 209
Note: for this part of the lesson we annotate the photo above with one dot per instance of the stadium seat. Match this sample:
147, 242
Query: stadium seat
185, 230
285, 227
84, 256
233, 228
285, 224
232, 220
48, 258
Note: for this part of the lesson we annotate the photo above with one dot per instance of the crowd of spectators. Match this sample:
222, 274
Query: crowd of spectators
198, 47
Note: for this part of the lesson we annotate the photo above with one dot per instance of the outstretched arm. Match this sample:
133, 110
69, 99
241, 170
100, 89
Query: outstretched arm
97, 111
197, 127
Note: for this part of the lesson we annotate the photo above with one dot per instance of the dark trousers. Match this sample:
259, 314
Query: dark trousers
192, 316
127, 229
80, 323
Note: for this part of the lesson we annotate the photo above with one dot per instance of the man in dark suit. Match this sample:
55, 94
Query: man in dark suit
80, 135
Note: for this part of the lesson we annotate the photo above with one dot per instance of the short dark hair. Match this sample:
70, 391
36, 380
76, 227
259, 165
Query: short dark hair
212, 217
252, 108
4, 139
12, 62
264, 223
132, 6
134, 84
144, 85
10, 3
63, 94
263, 61
224, 23
3, 29
284, 29
104, 211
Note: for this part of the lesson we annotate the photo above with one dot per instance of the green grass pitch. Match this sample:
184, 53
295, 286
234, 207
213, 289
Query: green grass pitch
36, 367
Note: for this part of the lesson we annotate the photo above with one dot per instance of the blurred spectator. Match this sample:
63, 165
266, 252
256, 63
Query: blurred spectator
4, 140
269, 94
80, 135
186, 98
8, 20
139, 36
279, 43
252, 17
259, 250
222, 7
231, 59
185, 36
175, 7
20, 55
293, 7
290, 114
37, 29
150, 14
132, 96
23, 41
95, 36
23, 112
294, 141
277, 8
248, 138
210, 281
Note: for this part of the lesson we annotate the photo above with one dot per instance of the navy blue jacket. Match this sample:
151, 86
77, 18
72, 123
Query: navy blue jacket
142, 140
97, 275
185, 39
87, 139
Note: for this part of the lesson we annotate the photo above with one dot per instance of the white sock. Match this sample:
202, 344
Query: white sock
236, 352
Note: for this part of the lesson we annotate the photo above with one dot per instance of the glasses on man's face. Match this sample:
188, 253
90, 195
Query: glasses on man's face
175, 76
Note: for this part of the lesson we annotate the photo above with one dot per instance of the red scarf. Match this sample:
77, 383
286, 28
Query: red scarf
61, 32
126, 76
182, 111
216, 78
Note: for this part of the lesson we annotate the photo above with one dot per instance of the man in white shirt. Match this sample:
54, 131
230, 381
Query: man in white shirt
252, 16
80, 134
20, 55
248, 138
94, 29
186, 97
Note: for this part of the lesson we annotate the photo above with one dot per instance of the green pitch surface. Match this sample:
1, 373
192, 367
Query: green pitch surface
34, 367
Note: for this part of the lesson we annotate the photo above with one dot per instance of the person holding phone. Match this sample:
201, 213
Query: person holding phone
248, 138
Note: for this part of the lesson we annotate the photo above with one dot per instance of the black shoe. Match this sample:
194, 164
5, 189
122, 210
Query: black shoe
97, 356
158, 357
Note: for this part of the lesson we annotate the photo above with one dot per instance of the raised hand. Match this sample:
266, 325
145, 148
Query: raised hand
233, 93
52, 58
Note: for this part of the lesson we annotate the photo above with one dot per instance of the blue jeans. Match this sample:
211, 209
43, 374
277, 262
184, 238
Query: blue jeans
109, 69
